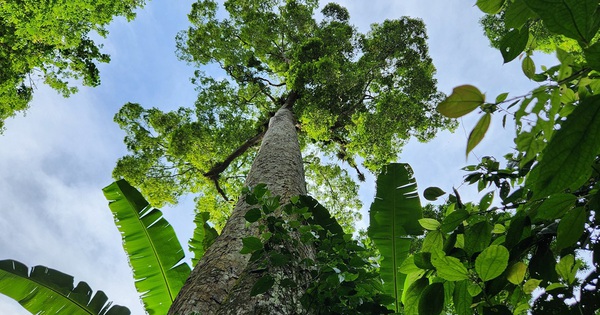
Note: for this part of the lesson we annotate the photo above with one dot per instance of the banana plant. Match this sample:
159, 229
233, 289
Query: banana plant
154, 252
42, 290
394, 220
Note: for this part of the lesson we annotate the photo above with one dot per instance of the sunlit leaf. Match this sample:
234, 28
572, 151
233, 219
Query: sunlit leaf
453, 220
478, 132
462, 299
154, 252
577, 19
492, 262
463, 100
448, 267
528, 67
567, 157
42, 290
517, 14
394, 216
531, 285
567, 268
490, 6
204, 235
429, 224
413, 295
516, 272
478, 236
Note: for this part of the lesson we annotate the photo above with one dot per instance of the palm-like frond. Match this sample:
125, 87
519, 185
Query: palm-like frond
204, 236
149, 240
48, 291
394, 215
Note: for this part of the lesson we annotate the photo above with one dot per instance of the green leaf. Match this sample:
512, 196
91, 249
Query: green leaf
490, 6
491, 262
486, 201
555, 206
431, 301
463, 100
155, 254
592, 56
577, 19
570, 228
554, 286
429, 224
262, 285
434, 240
251, 244
394, 215
513, 44
567, 268
462, 299
567, 157
531, 285
204, 236
47, 291
253, 215
501, 98
448, 267
528, 67
478, 132
517, 14
516, 273
408, 265
478, 236
413, 295
432, 193
453, 220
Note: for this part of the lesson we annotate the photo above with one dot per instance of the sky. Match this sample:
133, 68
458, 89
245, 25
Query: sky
56, 159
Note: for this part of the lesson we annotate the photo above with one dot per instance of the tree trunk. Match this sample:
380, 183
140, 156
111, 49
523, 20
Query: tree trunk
221, 282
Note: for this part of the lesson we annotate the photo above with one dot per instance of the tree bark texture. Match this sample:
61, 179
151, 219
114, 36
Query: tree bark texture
221, 282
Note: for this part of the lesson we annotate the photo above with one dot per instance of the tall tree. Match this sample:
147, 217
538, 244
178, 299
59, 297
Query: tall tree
354, 95
50, 40
359, 95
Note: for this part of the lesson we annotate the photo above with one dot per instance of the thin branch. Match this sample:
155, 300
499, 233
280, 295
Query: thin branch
220, 190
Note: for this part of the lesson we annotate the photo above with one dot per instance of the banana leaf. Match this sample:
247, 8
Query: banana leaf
394, 217
204, 236
47, 291
155, 254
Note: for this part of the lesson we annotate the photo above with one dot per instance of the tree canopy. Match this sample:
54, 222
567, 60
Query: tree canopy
52, 41
358, 96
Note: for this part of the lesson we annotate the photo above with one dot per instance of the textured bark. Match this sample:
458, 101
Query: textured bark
221, 282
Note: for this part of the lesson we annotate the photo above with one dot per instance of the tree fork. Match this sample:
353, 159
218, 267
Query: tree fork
220, 283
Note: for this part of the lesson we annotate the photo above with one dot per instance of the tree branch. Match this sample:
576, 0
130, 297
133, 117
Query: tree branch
218, 168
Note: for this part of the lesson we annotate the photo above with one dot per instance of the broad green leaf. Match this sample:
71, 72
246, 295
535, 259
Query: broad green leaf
431, 301
491, 262
413, 295
490, 6
253, 215
531, 285
251, 244
570, 227
554, 286
434, 240
463, 100
423, 260
567, 157
528, 67
478, 132
429, 224
555, 206
394, 215
262, 285
408, 265
474, 289
204, 236
517, 14
499, 229
516, 273
155, 254
432, 193
513, 44
486, 201
577, 19
453, 220
478, 236
448, 267
501, 97
567, 268
47, 291
592, 56
462, 299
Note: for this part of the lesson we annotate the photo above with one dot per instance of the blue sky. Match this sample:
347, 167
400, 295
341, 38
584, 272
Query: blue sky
59, 156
